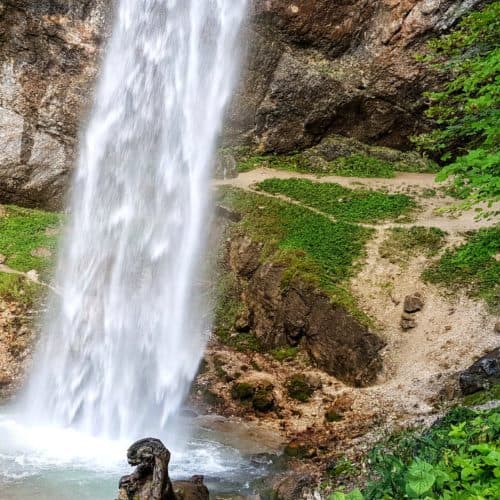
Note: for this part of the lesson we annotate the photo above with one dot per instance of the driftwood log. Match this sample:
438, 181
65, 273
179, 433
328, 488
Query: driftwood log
150, 479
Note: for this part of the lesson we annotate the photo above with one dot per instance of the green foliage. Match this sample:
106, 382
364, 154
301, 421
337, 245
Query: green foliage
18, 288
324, 248
309, 246
466, 110
299, 388
352, 205
403, 242
22, 231
360, 165
472, 266
481, 397
457, 458
284, 353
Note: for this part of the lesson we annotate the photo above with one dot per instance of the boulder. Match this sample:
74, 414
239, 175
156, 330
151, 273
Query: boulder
482, 375
298, 313
413, 303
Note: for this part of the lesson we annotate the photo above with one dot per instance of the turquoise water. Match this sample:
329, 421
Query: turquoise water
55, 464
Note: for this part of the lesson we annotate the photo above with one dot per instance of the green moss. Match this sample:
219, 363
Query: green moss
284, 353
349, 205
308, 245
242, 391
472, 266
22, 232
403, 242
263, 399
299, 388
482, 397
363, 161
332, 416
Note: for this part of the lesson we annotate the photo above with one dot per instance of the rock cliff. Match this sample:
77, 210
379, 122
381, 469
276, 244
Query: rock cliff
313, 68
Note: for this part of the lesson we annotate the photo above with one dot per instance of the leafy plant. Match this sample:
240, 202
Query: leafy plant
466, 110
457, 458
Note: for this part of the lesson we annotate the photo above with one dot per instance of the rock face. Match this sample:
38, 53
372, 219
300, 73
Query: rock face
150, 480
313, 68
298, 313
318, 67
48, 62
483, 374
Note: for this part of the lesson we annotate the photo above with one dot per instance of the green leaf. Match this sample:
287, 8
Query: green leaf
421, 477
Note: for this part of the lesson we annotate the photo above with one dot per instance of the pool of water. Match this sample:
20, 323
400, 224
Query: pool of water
55, 464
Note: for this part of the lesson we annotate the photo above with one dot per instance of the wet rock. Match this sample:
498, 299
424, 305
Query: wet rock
293, 486
5, 378
413, 303
483, 374
299, 449
150, 480
225, 166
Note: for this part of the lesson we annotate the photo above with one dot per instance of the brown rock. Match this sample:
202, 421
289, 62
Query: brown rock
298, 313
413, 303
497, 327
408, 324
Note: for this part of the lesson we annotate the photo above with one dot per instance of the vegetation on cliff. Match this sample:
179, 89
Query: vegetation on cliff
466, 110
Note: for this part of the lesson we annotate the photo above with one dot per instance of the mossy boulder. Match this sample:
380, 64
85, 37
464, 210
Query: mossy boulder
298, 387
259, 396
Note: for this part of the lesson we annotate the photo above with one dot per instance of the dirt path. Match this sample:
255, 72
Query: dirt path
413, 184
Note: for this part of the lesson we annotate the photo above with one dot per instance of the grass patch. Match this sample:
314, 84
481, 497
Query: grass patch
350, 205
308, 241
472, 266
18, 288
403, 242
360, 165
22, 232
457, 458
308, 245
284, 353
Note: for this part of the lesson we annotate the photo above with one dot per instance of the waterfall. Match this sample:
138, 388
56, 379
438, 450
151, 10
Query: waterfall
123, 340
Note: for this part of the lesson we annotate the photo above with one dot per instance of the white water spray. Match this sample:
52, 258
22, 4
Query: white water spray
124, 339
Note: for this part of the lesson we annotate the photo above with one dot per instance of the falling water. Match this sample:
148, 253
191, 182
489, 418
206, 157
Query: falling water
124, 338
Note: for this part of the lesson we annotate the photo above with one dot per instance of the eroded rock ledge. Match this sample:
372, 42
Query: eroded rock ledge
298, 313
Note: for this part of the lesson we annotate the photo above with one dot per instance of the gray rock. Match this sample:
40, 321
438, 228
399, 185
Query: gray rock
413, 303
483, 374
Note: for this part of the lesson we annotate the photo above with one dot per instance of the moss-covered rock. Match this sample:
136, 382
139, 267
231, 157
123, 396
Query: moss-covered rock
299, 388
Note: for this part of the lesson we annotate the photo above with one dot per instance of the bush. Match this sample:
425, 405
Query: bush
457, 458
466, 110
